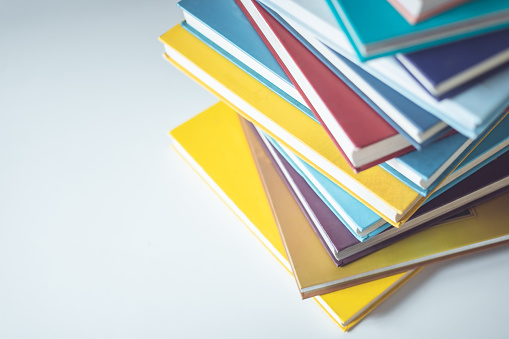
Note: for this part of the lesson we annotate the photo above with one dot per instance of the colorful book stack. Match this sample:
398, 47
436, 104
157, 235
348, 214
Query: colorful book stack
357, 145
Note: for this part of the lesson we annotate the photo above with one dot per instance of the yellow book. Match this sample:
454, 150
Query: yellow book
214, 144
394, 201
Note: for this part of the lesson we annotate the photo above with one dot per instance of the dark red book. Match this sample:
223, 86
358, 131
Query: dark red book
364, 138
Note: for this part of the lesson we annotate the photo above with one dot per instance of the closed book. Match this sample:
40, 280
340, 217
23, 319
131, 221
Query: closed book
431, 168
222, 22
449, 69
284, 122
380, 191
213, 143
372, 37
403, 114
361, 134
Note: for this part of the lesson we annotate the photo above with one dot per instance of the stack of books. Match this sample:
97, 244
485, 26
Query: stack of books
358, 140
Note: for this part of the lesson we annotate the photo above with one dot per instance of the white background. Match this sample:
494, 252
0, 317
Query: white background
106, 233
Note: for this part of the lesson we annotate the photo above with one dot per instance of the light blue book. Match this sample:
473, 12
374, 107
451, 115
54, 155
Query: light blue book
376, 29
423, 171
361, 221
470, 112
222, 25
354, 214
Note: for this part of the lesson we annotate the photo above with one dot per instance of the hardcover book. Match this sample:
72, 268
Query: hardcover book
377, 189
340, 110
372, 37
449, 69
403, 114
222, 22
285, 123
214, 145
424, 171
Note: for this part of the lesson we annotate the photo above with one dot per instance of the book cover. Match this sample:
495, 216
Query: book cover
372, 36
224, 23
285, 123
377, 189
340, 110
357, 218
403, 114
426, 170
214, 144
449, 69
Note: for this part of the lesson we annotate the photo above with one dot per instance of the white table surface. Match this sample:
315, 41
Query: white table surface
106, 233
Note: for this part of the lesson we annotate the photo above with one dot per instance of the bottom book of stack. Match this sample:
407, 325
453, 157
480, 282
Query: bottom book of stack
227, 154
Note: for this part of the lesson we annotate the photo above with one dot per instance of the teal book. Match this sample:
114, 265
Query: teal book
376, 29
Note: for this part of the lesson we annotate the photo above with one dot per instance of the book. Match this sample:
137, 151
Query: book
340, 110
405, 116
374, 187
284, 122
469, 112
426, 170
214, 145
417, 10
490, 181
222, 22
449, 69
360, 220
371, 36
485, 227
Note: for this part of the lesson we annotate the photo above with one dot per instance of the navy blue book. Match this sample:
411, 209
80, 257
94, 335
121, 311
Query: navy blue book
447, 70
223, 26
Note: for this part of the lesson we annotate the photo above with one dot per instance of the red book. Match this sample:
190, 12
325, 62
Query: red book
364, 138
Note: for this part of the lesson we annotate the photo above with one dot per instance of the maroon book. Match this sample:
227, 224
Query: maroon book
364, 138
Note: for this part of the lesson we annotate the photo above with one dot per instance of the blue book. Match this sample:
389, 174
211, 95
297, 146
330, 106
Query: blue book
376, 29
361, 221
222, 25
250, 71
403, 114
470, 112
432, 165
449, 69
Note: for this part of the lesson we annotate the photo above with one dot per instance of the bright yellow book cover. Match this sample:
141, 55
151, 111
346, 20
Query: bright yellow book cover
391, 199
214, 144
376, 188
